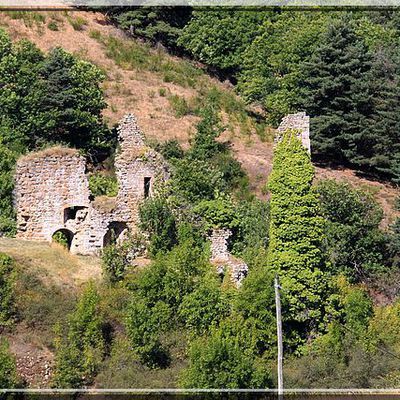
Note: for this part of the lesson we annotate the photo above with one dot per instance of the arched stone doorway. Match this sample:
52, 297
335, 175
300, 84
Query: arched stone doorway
63, 237
115, 232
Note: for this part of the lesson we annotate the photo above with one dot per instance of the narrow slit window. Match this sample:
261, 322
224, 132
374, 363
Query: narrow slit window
147, 186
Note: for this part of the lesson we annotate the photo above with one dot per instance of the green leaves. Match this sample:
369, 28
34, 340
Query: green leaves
7, 295
296, 235
80, 345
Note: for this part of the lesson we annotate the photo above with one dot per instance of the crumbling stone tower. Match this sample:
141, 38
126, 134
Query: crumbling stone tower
139, 170
299, 122
50, 186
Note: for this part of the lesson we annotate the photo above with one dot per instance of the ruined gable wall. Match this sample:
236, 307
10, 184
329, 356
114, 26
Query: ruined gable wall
300, 122
134, 162
46, 183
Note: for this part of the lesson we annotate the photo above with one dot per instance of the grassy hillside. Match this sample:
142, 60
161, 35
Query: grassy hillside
164, 92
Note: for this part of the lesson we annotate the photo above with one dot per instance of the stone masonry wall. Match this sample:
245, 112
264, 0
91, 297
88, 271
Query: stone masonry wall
300, 122
46, 183
139, 169
221, 256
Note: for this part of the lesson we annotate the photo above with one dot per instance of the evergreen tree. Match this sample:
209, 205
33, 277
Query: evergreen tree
337, 93
296, 235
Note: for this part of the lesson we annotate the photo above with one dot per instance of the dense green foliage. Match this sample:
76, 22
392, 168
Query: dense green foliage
80, 345
296, 234
103, 185
355, 244
7, 290
8, 370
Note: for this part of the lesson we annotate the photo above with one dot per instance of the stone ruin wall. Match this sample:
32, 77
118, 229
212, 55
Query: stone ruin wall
45, 184
221, 256
138, 168
300, 122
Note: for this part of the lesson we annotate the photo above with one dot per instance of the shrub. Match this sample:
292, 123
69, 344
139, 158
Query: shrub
103, 185
8, 369
218, 213
52, 25
81, 348
61, 238
205, 306
170, 149
157, 220
7, 292
224, 359
144, 324
116, 258
179, 105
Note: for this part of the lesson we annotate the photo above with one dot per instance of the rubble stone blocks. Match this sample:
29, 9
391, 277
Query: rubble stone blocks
299, 122
52, 193
221, 256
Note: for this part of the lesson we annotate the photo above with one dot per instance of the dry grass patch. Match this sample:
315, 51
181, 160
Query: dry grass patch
51, 263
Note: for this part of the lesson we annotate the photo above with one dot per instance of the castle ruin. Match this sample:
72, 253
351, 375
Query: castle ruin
52, 193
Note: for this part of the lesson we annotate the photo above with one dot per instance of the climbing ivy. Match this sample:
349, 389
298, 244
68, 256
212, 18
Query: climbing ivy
296, 235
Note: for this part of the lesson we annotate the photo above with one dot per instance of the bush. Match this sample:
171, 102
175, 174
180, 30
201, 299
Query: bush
116, 258
103, 185
205, 306
7, 292
61, 238
225, 359
80, 346
157, 220
144, 324
8, 369
355, 244
159, 291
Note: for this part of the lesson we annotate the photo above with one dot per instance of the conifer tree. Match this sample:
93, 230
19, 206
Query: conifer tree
337, 93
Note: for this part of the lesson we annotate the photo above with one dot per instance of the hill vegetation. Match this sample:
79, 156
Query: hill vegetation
171, 320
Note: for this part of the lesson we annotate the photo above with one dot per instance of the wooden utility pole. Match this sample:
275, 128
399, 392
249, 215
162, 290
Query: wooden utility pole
279, 333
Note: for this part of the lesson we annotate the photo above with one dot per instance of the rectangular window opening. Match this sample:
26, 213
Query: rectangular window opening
147, 186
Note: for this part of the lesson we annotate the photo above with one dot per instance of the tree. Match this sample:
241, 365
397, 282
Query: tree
157, 220
337, 90
270, 72
156, 24
219, 38
296, 236
80, 349
7, 214
8, 369
225, 359
355, 245
7, 295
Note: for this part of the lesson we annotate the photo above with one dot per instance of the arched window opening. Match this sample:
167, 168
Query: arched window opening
63, 237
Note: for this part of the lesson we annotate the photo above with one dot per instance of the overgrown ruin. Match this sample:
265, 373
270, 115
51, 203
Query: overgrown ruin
52, 193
